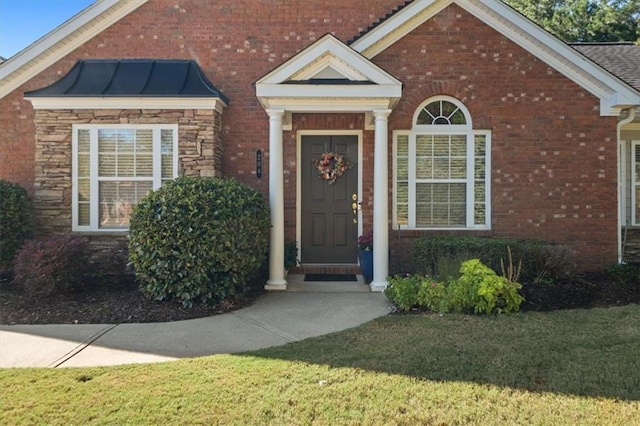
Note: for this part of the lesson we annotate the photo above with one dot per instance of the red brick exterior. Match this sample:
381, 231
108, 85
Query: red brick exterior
554, 173
553, 157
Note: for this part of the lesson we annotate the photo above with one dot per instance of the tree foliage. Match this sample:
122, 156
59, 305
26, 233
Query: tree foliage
584, 20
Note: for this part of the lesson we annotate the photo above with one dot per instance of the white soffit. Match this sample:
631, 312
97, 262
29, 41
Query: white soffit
614, 94
127, 103
58, 43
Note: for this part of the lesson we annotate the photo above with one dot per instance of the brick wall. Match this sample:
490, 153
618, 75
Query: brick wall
554, 167
553, 157
199, 153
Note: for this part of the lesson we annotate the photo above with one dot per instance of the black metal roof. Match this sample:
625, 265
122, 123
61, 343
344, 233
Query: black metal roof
132, 77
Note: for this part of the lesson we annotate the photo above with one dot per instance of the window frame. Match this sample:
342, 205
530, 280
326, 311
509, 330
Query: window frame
95, 179
635, 220
470, 180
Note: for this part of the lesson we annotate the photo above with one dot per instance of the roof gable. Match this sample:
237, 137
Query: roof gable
328, 57
43, 53
327, 70
614, 94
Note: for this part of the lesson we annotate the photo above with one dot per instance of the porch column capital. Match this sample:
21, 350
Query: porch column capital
276, 202
275, 113
381, 114
381, 201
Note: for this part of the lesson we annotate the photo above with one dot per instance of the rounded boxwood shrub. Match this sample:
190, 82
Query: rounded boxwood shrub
15, 220
199, 239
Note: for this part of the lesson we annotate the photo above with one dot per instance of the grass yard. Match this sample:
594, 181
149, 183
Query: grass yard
563, 367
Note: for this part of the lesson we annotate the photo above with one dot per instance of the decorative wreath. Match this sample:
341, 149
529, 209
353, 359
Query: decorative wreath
331, 165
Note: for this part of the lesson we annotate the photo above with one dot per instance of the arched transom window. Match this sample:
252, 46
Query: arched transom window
442, 169
441, 112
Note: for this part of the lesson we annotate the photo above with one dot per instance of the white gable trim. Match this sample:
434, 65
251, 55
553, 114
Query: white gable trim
372, 87
47, 50
614, 94
328, 50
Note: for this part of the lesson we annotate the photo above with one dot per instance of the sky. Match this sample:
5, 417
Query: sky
24, 21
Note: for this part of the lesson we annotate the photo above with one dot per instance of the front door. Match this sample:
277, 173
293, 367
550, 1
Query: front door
329, 222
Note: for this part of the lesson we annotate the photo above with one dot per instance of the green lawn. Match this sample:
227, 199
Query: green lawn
568, 367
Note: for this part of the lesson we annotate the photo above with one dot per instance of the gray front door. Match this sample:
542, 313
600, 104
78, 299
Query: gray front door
329, 224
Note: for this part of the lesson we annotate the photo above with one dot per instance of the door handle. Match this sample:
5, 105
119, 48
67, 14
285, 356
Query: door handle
354, 207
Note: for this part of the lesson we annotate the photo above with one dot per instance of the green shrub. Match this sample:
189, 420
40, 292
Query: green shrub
58, 264
481, 290
403, 291
199, 239
624, 273
433, 295
540, 260
478, 290
15, 221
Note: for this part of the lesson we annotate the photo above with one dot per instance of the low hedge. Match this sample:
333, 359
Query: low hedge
540, 260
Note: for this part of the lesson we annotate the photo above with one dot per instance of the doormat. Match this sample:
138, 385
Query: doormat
330, 277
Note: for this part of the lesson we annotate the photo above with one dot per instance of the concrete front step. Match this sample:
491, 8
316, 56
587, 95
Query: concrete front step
296, 283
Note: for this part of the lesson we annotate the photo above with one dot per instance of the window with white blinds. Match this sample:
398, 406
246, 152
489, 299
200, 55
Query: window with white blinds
115, 167
441, 170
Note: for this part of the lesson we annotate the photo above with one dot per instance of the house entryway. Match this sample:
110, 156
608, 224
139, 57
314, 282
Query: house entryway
329, 210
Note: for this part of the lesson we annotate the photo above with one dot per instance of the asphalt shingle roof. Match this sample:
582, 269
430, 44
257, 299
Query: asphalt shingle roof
620, 59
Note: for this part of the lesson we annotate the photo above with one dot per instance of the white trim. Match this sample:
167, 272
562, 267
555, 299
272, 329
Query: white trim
383, 92
622, 180
635, 221
126, 103
614, 94
58, 43
303, 104
450, 127
470, 134
299, 135
397, 26
156, 179
328, 50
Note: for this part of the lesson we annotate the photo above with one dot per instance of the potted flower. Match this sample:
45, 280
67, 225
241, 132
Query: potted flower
290, 256
365, 255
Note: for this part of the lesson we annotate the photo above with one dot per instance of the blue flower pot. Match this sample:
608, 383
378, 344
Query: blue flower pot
366, 264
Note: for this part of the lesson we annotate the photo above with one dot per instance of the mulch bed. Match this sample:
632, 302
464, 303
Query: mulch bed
102, 306
126, 304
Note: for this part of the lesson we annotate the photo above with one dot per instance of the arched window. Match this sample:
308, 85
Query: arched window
441, 111
442, 169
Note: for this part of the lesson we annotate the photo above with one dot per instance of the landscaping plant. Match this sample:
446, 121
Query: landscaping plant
478, 289
199, 239
58, 264
15, 221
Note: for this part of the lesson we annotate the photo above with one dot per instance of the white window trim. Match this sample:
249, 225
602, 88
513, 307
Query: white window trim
470, 133
94, 181
635, 221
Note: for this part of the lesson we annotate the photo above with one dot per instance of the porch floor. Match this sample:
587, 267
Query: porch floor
296, 283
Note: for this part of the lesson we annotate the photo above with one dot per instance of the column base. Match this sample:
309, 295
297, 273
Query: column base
378, 286
276, 285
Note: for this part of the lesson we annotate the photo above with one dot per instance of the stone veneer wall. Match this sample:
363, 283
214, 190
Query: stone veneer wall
200, 153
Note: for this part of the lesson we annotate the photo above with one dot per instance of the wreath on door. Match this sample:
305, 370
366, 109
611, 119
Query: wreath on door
331, 166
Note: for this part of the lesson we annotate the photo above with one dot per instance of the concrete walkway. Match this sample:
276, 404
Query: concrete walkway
304, 310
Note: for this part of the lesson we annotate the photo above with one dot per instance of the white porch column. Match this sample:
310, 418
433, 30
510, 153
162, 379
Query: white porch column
380, 202
276, 202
